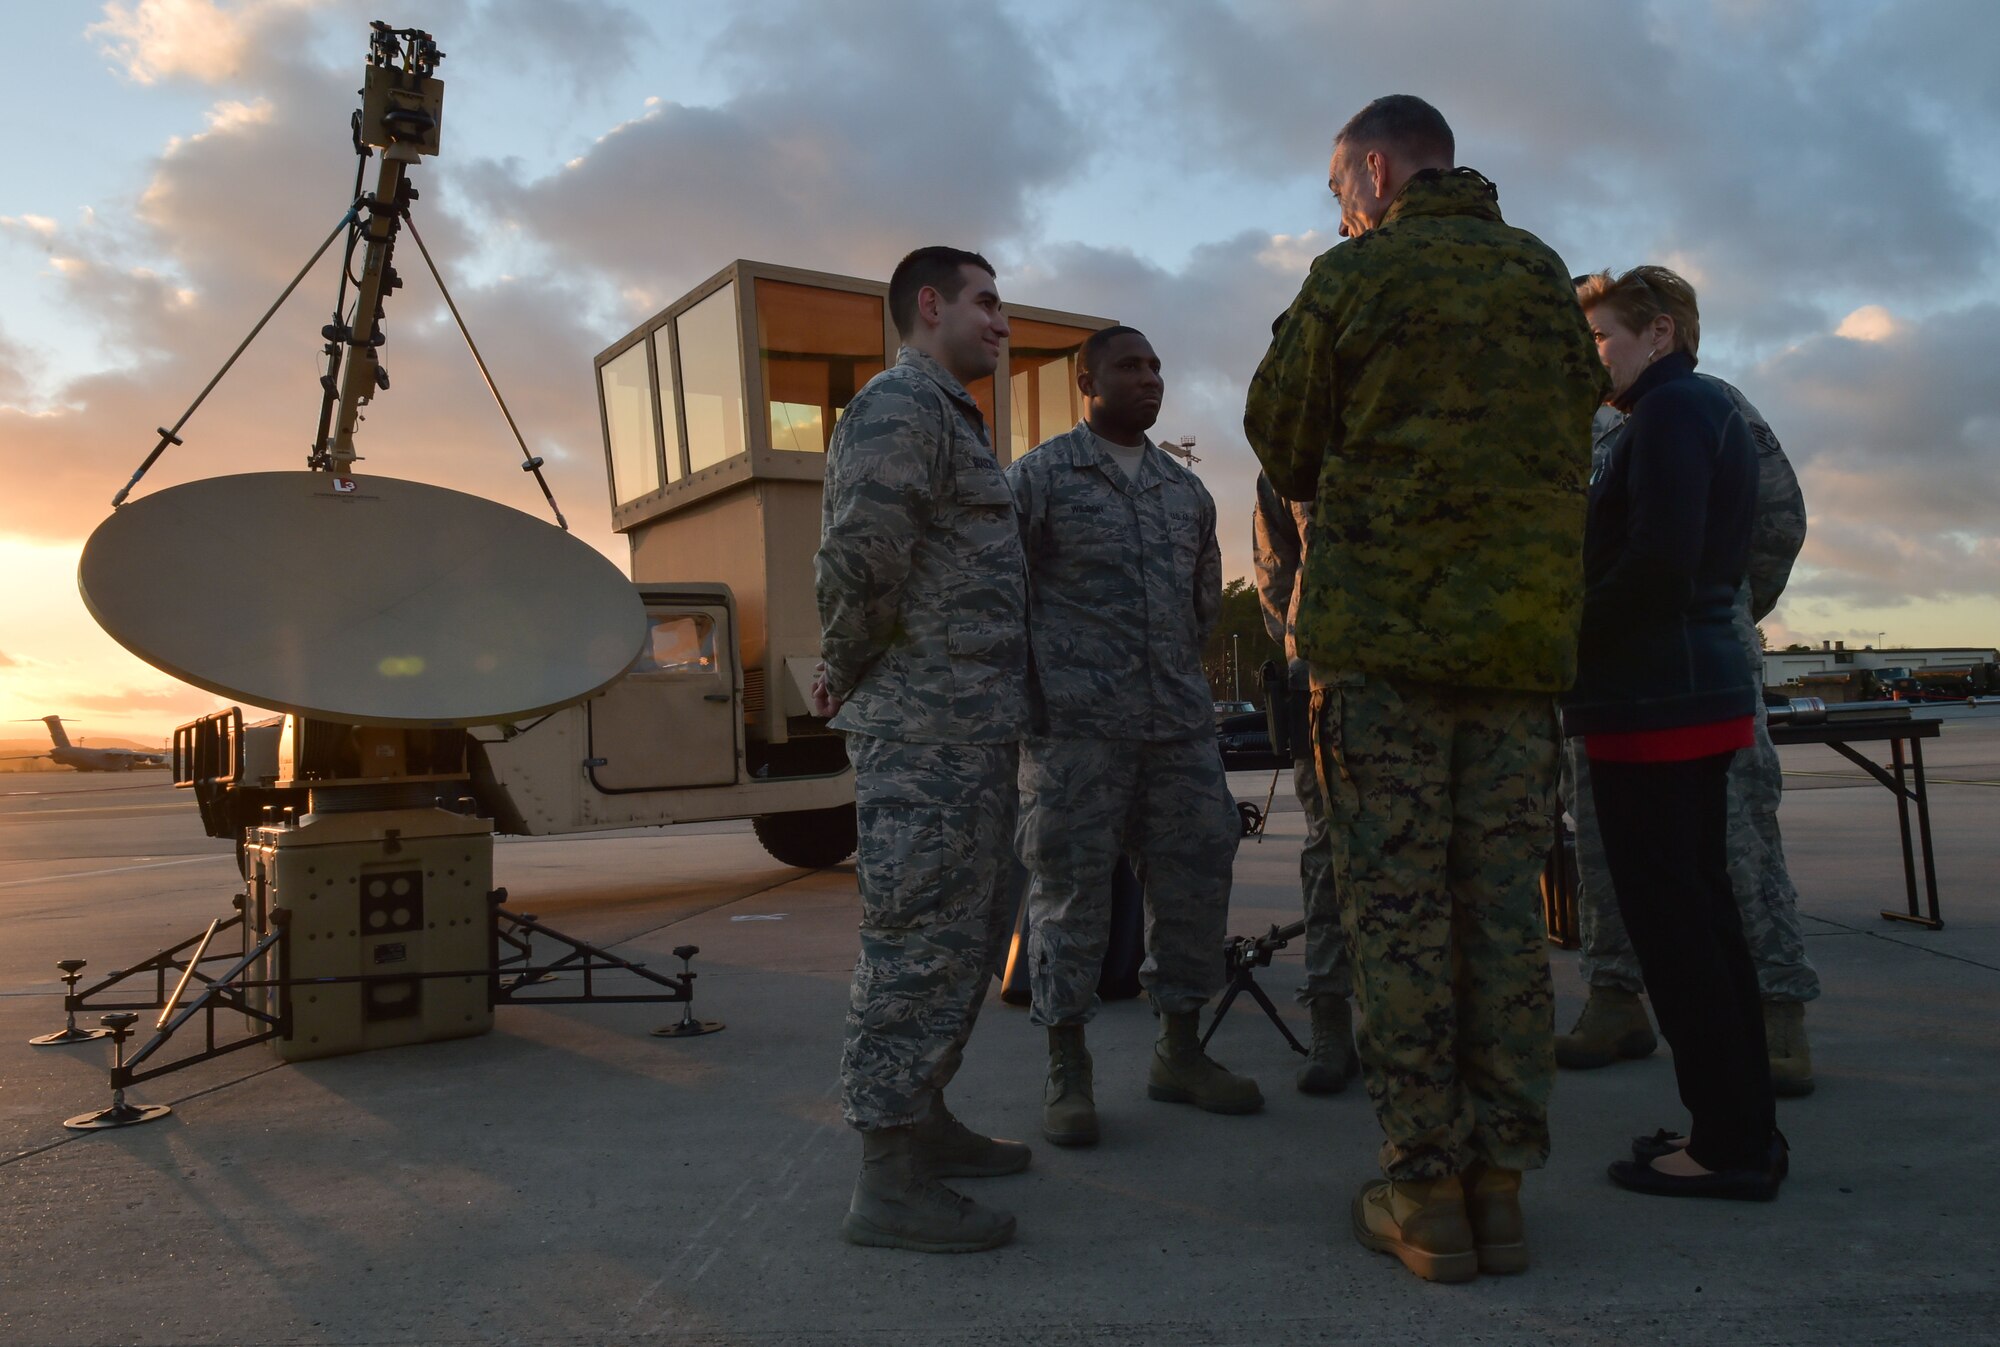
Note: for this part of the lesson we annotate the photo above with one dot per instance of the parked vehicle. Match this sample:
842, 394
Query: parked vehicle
716, 413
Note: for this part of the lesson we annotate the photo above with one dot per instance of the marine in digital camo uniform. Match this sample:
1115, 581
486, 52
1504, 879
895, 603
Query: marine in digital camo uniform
1125, 582
923, 610
1614, 1024
1278, 533
1430, 391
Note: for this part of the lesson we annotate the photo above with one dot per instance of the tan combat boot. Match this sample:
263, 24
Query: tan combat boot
1493, 1206
898, 1205
1613, 1026
1069, 1109
1785, 1041
951, 1150
1424, 1224
1183, 1074
1332, 1062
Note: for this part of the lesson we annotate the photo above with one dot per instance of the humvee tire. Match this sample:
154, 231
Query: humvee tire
809, 838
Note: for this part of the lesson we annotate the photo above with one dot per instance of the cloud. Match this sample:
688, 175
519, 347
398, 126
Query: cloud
1267, 84
797, 165
1940, 55
225, 219
828, 153
152, 705
1894, 427
1771, 153
198, 40
1870, 322
18, 370
585, 41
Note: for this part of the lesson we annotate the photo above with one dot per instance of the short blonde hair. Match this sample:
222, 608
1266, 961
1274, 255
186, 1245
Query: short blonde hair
1643, 294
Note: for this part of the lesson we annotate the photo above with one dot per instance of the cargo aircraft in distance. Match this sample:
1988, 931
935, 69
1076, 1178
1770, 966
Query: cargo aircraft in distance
66, 754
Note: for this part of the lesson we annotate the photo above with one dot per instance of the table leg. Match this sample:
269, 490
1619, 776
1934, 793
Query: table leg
1903, 797
1936, 922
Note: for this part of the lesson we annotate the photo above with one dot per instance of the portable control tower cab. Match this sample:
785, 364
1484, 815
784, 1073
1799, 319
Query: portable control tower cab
716, 413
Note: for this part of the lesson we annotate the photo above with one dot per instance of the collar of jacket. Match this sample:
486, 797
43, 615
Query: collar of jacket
934, 370
1078, 448
1673, 365
1440, 191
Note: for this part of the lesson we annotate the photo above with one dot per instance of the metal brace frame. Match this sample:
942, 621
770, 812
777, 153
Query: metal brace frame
223, 993
512, 973
507, 977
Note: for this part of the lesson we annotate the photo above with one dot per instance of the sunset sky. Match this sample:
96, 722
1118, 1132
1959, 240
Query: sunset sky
1825, 173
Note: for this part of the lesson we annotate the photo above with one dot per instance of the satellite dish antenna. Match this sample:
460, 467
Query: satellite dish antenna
365, 600
382, 616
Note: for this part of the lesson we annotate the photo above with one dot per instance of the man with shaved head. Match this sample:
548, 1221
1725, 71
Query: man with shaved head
1430, 392
1124, 583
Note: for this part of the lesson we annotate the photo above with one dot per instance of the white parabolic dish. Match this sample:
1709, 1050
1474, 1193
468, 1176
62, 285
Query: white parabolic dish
393, 603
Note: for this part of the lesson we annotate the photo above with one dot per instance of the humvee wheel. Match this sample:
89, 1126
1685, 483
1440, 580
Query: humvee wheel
808, 838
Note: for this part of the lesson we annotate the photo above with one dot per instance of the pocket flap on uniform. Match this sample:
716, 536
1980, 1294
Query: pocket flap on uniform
984, 638
982, 484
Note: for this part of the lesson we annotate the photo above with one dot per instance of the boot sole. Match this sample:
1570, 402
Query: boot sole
1630, 1049
1792, 1089
858, 1230
1174, 1094
981, 1171
1072, 1139
1318, 1078
1432, 1267
1502, 1259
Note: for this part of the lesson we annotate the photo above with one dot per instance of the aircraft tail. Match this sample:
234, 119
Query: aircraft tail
57, 733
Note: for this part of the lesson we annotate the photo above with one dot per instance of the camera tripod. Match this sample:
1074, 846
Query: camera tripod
1242, 957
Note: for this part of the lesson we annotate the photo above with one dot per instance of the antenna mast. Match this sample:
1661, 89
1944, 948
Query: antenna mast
402, 109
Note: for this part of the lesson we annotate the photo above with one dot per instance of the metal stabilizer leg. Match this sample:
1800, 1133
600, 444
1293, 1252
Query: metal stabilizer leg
689, 1026
120, 1114
533, 977
72, 971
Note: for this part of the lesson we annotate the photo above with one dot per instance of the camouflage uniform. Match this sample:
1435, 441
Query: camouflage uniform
1125, 581
923, 611
1439, 801
1278, 531
1764, 893
1430, 391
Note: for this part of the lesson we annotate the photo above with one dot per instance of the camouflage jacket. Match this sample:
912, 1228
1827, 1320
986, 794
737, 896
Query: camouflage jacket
922, 594
1430, 391
1124, 583
1278, 542
1779, 530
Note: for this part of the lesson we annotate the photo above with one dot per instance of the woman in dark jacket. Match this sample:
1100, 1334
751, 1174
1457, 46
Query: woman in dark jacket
1664, 697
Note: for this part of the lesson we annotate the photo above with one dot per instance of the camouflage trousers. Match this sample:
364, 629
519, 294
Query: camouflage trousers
937, 875
1438, 803
1084, 803
1765, 898
1326, 944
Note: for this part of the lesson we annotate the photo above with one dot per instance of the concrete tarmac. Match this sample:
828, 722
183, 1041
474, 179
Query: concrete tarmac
568, 1179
